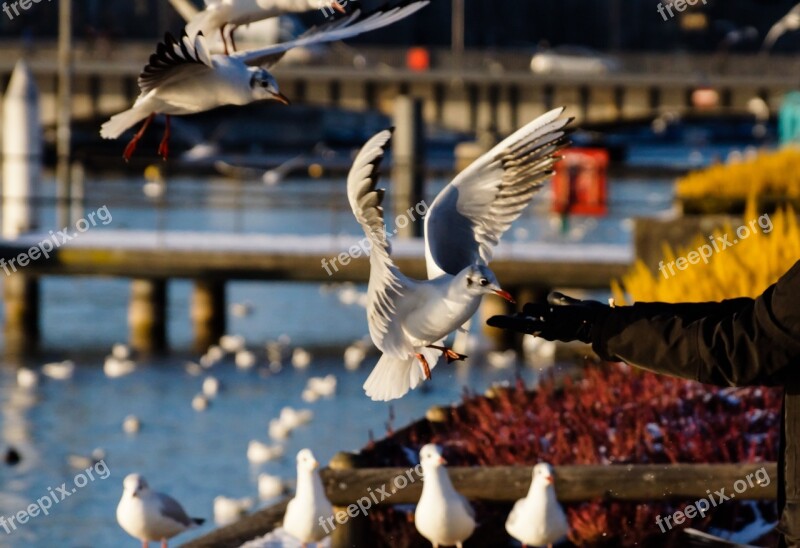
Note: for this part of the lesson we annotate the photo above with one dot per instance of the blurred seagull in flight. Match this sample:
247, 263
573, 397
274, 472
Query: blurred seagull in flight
409, 318
182, 77
788, 23
224, 16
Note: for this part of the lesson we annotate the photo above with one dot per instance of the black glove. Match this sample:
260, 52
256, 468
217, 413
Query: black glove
561, 319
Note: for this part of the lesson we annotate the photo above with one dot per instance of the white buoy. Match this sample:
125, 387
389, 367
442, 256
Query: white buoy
22, 152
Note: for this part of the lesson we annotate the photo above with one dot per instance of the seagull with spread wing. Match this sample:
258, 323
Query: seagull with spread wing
408, 318
224, 16
182, 77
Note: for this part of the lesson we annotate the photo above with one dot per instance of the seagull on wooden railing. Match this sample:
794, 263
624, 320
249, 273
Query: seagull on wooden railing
538, 519
443, 515
182, 77
307, 511
224, 16
408, 319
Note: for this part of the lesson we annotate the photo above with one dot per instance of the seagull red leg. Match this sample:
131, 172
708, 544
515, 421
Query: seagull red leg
131, 148
233, 38
450, 354
163, 148
164, 543
425, 367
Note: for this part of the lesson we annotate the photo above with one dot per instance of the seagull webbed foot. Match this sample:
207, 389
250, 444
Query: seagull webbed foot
450, 354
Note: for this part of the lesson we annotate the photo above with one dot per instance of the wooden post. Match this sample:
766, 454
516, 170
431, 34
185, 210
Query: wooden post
208, 311
21, 299
64, 113
147, 315
352, 533
408, 173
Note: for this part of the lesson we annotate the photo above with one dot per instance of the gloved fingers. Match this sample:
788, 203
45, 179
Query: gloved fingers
536, 310
518, 322
559, 299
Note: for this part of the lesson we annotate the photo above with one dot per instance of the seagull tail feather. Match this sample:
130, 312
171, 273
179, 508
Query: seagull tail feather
119, 123
393, 377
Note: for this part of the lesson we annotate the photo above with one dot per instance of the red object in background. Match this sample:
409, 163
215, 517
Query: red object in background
580, 182
418, 59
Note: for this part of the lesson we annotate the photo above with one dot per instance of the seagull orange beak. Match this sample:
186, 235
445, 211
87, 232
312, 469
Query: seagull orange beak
338, 7
549, 479
282, 99
506, 295
442, 460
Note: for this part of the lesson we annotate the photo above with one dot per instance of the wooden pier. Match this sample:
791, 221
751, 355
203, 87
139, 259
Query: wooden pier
150, 259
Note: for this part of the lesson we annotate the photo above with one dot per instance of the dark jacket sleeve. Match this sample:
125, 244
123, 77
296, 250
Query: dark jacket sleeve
733, 343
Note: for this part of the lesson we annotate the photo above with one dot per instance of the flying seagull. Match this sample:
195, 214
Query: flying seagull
182, 77
224, 16
408, 318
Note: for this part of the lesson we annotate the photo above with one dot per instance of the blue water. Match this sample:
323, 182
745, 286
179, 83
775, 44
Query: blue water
197, 456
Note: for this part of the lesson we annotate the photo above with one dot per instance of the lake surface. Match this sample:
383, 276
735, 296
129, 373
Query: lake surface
197, 456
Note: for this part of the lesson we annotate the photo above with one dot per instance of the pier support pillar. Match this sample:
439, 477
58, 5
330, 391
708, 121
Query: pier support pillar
408, 172
501, 339
207, 312
21, 299
147, 315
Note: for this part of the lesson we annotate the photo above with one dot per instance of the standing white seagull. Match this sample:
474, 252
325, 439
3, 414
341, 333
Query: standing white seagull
182, 77
150, 516
443, 515
408, 318
224, 16
538, 519
307, 511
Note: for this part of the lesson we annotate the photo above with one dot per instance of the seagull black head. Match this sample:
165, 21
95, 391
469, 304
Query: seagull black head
265, 86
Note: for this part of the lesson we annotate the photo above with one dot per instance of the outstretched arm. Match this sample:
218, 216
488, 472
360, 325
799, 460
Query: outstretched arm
732, 343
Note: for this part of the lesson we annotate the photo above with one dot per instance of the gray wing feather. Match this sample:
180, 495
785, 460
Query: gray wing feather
172, 509
468, 218
339, 29
386, 282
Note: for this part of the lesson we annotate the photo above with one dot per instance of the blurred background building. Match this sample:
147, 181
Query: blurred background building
605, 25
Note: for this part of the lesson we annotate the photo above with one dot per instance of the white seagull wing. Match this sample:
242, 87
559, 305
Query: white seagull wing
469, 215
386, 282
175, 60
339, 29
